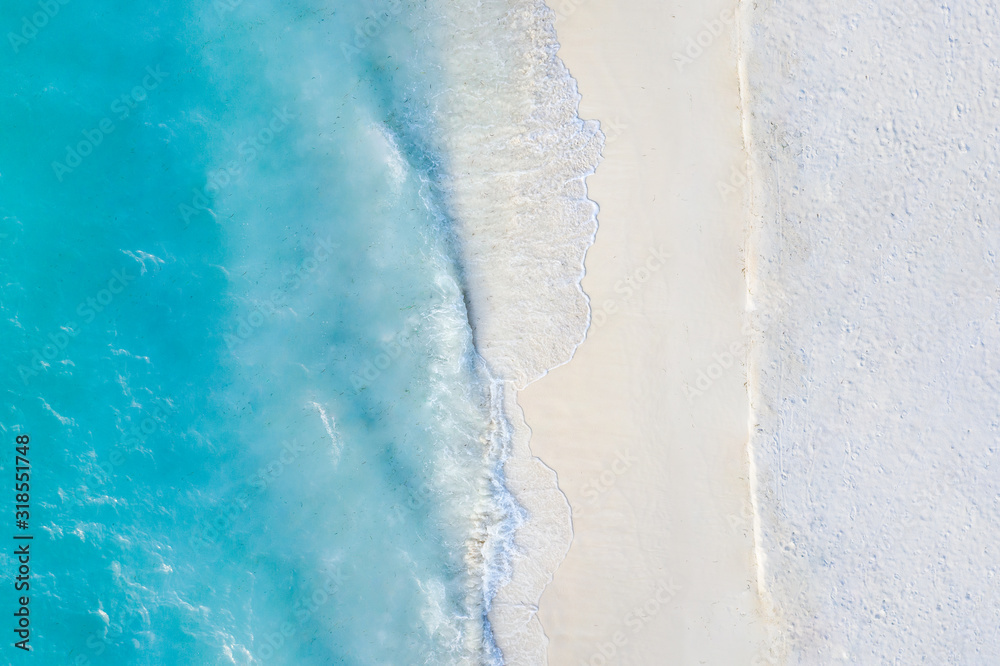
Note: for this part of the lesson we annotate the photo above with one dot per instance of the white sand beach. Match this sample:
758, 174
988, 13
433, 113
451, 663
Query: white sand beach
646, 427
874, 376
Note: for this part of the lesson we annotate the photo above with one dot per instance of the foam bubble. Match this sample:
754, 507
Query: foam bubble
516, 158
517, 155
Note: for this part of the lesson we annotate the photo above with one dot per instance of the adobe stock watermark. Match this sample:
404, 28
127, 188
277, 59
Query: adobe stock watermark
133, 623
415, 499
630, 285
293, 280
370, 28
137, 435
614, 131
136, 621
373, 368
121, 108
303, 609
32, 25
735, 355
738, 179
607, 652
593, 489
209, 532
742, 522
223, 7
567, 8
59, 341
701, 42
249, 150
722, 362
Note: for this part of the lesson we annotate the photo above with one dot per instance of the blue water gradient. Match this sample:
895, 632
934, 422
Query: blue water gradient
234, 327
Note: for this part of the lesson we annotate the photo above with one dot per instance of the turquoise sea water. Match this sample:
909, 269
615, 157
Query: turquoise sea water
234, 327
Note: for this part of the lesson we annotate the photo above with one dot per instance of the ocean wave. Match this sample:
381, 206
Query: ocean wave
514, 159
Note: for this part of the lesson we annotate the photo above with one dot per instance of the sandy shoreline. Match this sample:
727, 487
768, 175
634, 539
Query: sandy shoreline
646, 428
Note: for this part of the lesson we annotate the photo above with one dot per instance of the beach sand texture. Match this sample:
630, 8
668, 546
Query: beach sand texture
646, 428
873, 262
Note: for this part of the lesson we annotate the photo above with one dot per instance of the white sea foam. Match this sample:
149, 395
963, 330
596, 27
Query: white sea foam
329, 424
517, 156
468, 469
394, 159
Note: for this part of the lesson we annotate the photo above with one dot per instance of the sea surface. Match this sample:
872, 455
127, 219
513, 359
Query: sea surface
234, 325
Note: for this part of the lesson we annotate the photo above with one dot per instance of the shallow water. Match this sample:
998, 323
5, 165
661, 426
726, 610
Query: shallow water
236, 321
237, 337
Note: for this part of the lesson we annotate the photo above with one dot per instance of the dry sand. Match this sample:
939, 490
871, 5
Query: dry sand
646, 428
